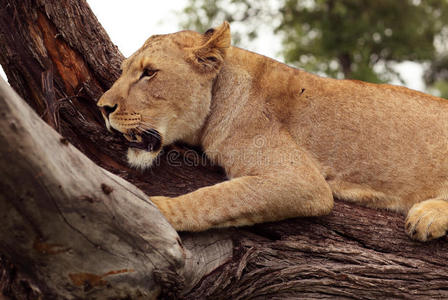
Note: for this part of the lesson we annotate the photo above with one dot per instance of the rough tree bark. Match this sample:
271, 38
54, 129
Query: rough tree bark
59, 59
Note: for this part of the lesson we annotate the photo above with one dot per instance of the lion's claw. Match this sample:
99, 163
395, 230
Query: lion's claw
427, 220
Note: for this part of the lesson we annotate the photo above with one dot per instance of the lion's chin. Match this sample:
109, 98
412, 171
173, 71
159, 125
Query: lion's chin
141, 159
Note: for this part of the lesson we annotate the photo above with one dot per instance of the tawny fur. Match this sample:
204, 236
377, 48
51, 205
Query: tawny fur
288, 140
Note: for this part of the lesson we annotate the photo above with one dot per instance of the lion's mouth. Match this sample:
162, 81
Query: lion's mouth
149, 140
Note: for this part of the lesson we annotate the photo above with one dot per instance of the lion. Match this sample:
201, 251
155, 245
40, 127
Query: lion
289, 141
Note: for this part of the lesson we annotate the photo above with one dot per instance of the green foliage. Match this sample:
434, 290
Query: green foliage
359, 34
359, 39
245, 16
440, 88
436, 76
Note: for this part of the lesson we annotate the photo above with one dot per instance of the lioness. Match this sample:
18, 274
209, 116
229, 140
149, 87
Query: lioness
288, 140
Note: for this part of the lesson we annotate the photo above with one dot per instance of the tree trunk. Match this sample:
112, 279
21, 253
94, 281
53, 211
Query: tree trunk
70, 229
345, 62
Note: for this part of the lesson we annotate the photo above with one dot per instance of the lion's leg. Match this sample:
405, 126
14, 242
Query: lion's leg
427, 220
364, 195
248, 200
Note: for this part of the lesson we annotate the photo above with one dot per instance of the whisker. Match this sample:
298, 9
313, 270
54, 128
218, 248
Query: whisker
145, 128
147, 125
151, 133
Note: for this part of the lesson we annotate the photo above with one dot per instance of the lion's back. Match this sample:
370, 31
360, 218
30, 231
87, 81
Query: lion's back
382, 135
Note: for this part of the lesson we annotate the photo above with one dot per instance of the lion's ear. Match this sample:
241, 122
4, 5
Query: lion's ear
210, 55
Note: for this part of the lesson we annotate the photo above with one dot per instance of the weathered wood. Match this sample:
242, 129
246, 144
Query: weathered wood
353, 253
75, 229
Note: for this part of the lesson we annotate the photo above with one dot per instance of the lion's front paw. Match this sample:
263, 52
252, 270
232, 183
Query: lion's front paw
427, 220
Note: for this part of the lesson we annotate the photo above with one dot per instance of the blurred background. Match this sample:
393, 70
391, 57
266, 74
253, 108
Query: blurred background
400, 42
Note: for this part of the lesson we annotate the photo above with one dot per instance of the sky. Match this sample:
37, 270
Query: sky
130, 25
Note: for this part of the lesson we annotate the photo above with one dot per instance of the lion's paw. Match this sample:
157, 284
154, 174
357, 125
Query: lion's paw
427, 220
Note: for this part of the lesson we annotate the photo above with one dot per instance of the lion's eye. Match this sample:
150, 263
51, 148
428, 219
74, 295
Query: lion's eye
148, 73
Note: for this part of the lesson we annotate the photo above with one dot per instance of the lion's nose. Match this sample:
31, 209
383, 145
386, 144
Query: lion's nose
107, 109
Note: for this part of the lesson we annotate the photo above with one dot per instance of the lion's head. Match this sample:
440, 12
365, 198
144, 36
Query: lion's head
164, 92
